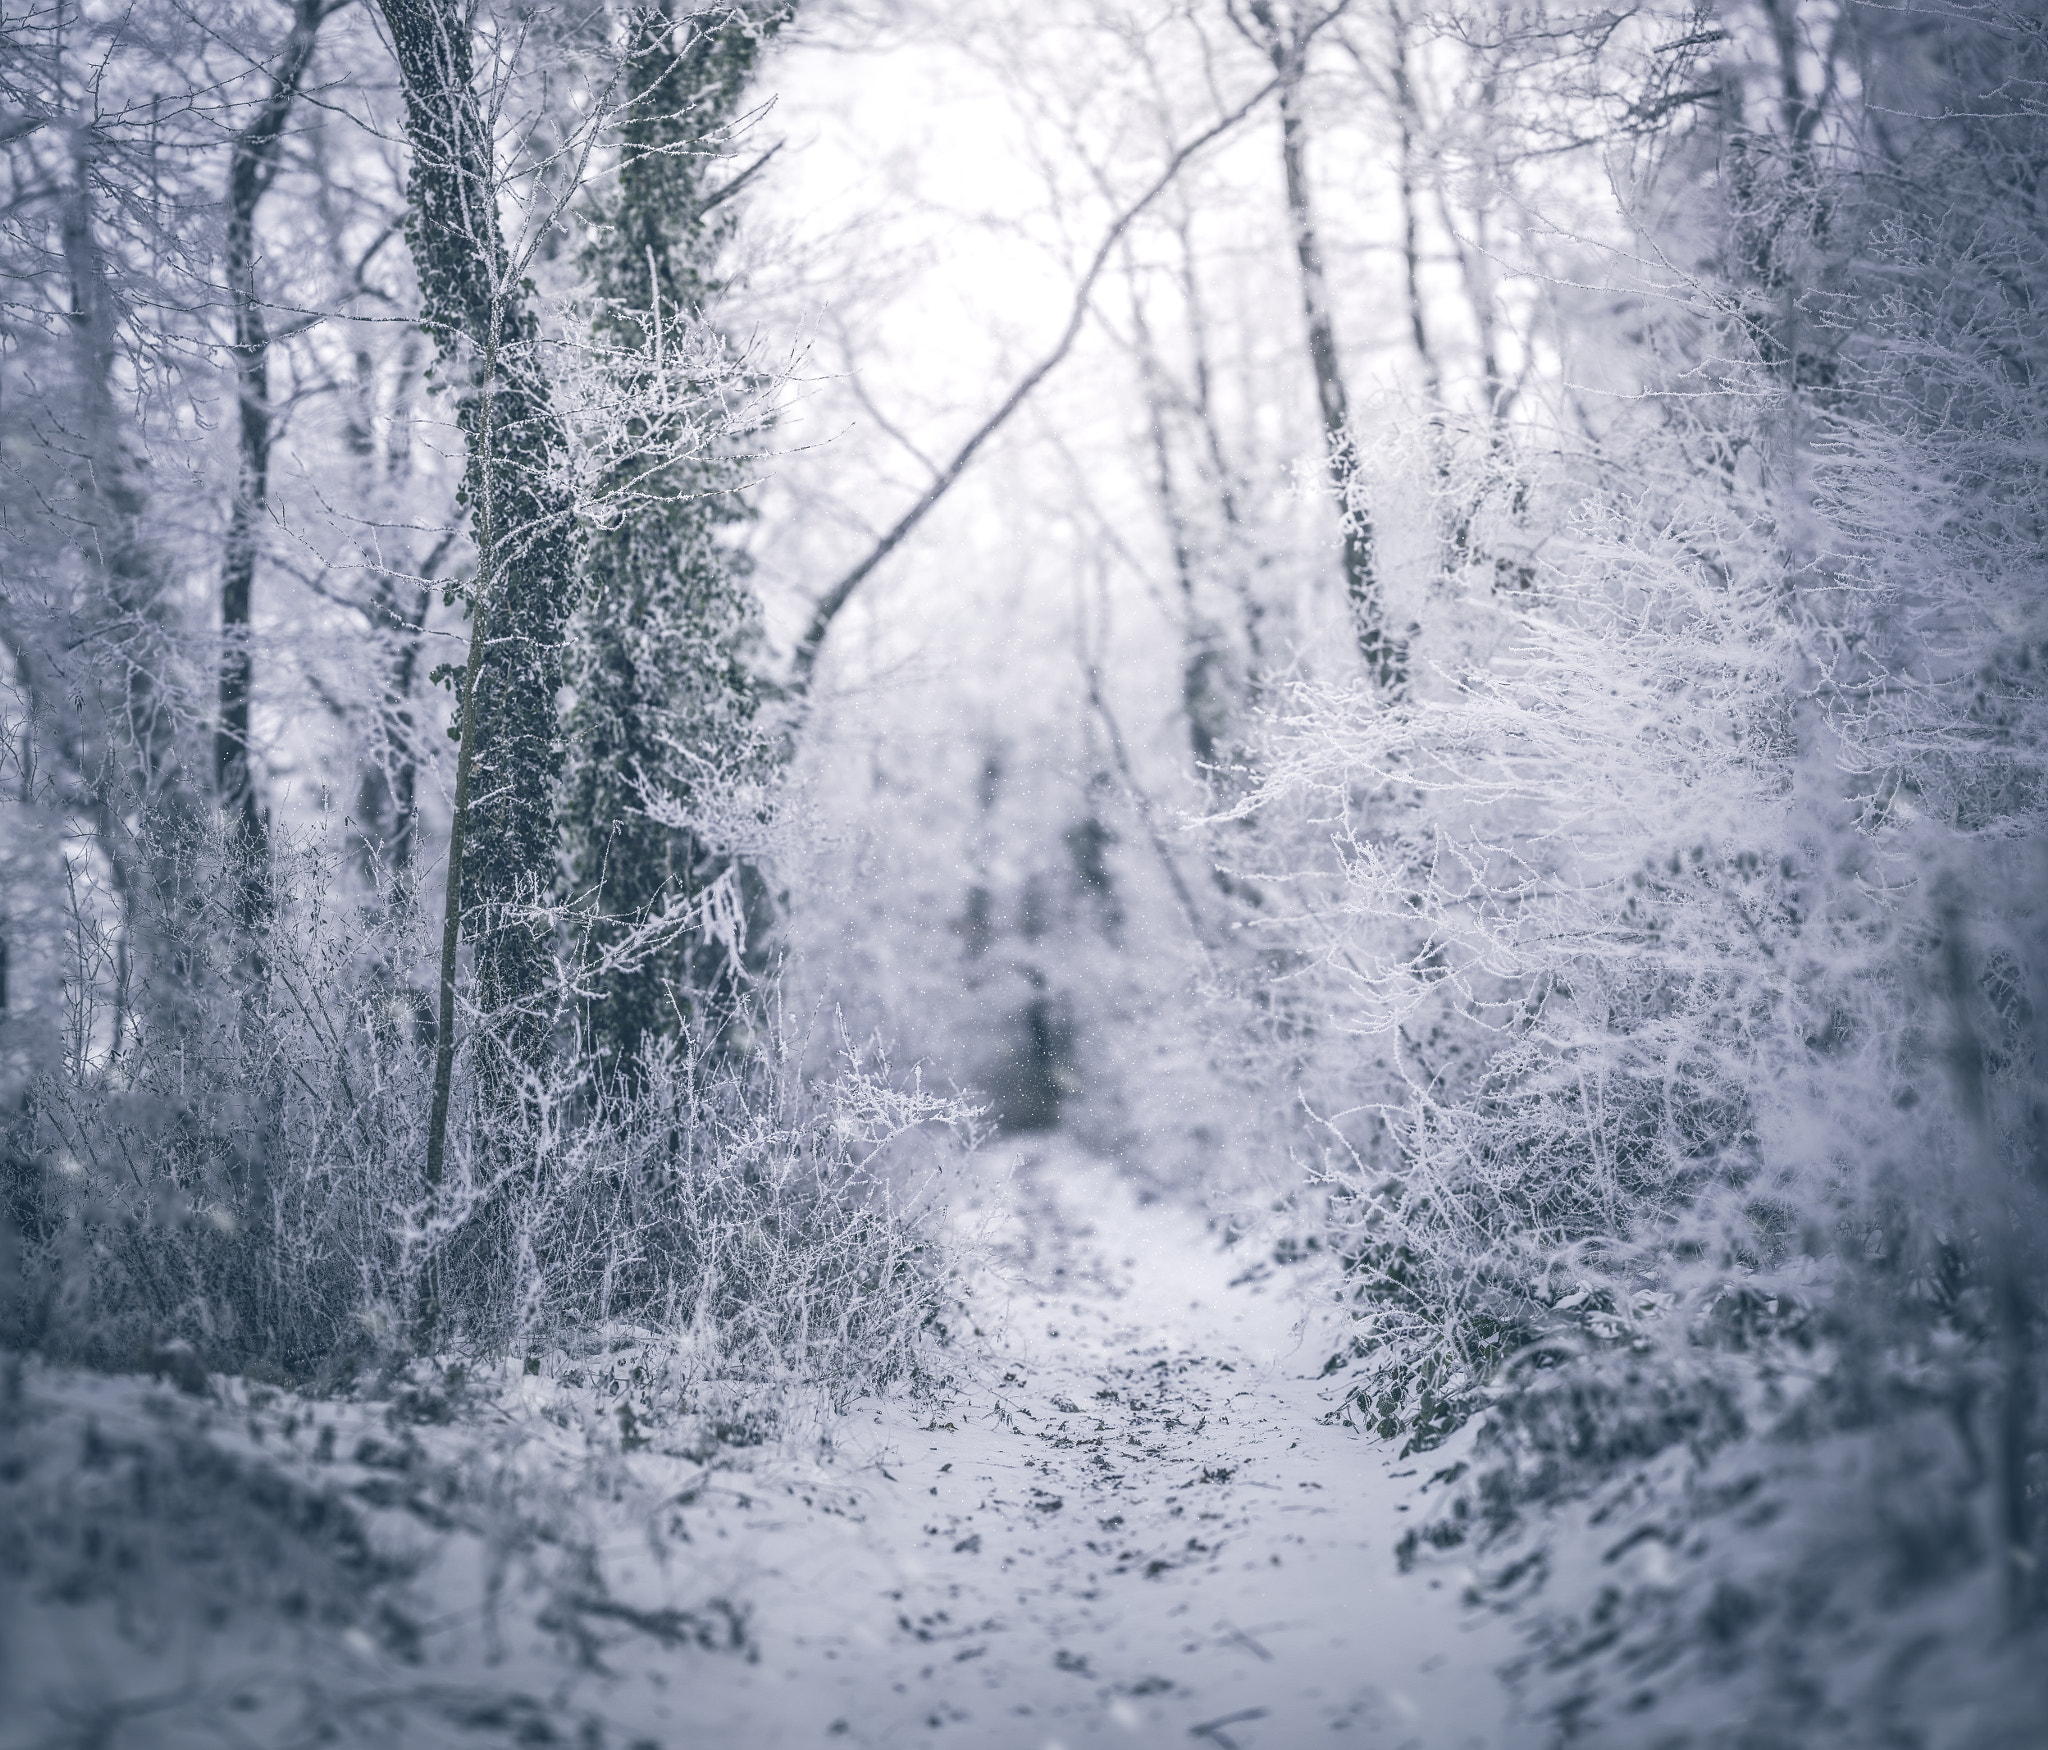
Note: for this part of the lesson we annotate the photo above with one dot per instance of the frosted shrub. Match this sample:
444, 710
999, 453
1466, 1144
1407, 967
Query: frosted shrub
1669, 984
247, 1193
774, 1223
1687, 966
1554, 902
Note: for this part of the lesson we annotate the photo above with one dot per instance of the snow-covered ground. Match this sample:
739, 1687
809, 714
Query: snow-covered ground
1124, 1521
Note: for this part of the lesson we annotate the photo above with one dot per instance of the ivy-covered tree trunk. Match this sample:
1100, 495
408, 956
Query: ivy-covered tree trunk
665, 699
502, 855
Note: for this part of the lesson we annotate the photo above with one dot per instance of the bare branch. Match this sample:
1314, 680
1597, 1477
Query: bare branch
835, 598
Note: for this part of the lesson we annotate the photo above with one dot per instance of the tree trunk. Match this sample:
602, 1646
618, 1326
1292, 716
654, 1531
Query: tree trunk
252, 168
131, 777
502, 858
1239, 568
1408, 119
666, 622
1385, 658
1203, 698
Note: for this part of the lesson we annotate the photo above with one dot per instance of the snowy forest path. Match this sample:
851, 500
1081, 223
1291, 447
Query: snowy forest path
1129, 1523
1124, 1520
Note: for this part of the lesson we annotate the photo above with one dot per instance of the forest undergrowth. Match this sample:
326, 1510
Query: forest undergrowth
1685, 1127
247, 1194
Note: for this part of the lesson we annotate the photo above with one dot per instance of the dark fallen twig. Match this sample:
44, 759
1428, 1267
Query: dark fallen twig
1213, 1729
719, 1628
